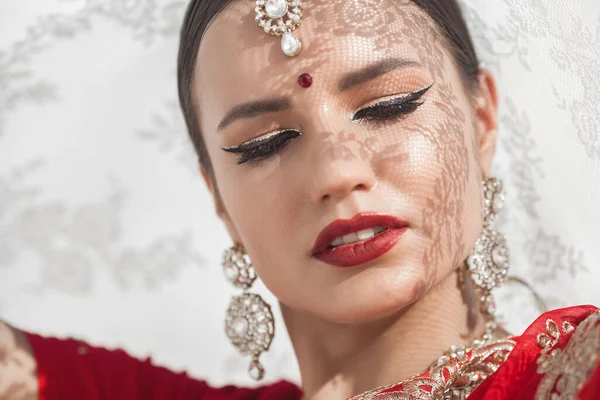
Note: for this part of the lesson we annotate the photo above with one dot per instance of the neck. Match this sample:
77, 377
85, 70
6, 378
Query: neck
339, 361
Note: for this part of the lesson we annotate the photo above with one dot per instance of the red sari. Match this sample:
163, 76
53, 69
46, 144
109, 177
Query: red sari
557, 357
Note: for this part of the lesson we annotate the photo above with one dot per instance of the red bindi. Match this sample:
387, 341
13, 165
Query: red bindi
305, 80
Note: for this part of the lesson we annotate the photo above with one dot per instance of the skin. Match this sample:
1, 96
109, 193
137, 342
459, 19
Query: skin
383, 321
18, 380
356, 328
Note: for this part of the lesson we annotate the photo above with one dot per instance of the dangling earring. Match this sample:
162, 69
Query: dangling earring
249, 322
488, 262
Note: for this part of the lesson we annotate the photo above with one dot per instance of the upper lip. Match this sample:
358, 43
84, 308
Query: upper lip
359, 222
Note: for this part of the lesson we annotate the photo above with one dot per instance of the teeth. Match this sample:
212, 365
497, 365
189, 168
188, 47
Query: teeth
350, 238
337, 242
357, 236
365, 234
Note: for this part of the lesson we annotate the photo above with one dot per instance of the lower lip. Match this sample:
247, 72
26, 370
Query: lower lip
358, 253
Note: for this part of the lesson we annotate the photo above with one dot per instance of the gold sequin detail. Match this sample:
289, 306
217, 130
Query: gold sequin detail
450, 380
567, 370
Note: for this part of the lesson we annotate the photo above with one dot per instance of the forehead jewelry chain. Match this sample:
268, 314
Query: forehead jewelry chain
281, 18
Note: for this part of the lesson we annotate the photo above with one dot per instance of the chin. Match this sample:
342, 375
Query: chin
373, 294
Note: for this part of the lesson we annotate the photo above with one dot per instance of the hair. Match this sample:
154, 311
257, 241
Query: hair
446, 14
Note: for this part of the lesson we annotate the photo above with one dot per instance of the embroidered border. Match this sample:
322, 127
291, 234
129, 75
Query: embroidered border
567, 370
449, 380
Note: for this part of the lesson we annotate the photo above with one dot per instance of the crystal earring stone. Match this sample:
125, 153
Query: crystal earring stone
499, 256
498, 202
256, 370
239, 326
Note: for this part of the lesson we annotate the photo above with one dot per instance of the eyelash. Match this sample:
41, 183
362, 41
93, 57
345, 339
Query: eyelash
391, 109
260, 149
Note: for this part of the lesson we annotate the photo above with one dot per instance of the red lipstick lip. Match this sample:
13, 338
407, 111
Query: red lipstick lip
381, 243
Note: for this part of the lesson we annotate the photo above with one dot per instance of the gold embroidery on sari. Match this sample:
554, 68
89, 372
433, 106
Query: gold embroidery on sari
450, 380
567, 370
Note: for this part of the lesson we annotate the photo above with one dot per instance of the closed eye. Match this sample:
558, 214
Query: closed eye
393, 108
263, 147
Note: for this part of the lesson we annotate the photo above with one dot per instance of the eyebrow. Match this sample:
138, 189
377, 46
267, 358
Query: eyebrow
373, 71
254, 108
257, 107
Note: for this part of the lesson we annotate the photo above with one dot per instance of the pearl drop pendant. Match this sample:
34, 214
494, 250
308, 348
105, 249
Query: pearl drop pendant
281, 18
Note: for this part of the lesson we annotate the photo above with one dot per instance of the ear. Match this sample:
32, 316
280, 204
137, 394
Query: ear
486, 107
220, 207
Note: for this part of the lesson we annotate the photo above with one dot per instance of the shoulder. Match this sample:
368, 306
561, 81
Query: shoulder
75, 369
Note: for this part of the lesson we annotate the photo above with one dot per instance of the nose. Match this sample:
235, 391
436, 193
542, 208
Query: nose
339, 164
339, 173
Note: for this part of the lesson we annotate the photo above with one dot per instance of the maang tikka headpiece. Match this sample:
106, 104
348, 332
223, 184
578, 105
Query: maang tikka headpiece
281, 18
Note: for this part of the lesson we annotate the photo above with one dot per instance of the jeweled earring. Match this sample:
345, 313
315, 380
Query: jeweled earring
249, 322
488, 262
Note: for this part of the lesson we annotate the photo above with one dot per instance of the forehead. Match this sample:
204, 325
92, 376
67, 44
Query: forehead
238, 61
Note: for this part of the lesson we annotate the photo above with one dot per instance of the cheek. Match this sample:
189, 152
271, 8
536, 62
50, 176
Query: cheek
433, 164
249, 190
453, 194
261, 200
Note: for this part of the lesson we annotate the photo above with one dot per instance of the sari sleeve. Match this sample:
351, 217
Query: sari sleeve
72, 369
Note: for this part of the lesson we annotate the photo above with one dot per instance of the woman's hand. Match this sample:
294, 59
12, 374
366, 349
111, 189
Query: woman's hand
18, 379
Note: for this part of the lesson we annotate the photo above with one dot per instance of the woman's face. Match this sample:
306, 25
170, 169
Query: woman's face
359, 150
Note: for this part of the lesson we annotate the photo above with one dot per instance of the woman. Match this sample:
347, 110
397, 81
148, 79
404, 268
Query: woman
350, 162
